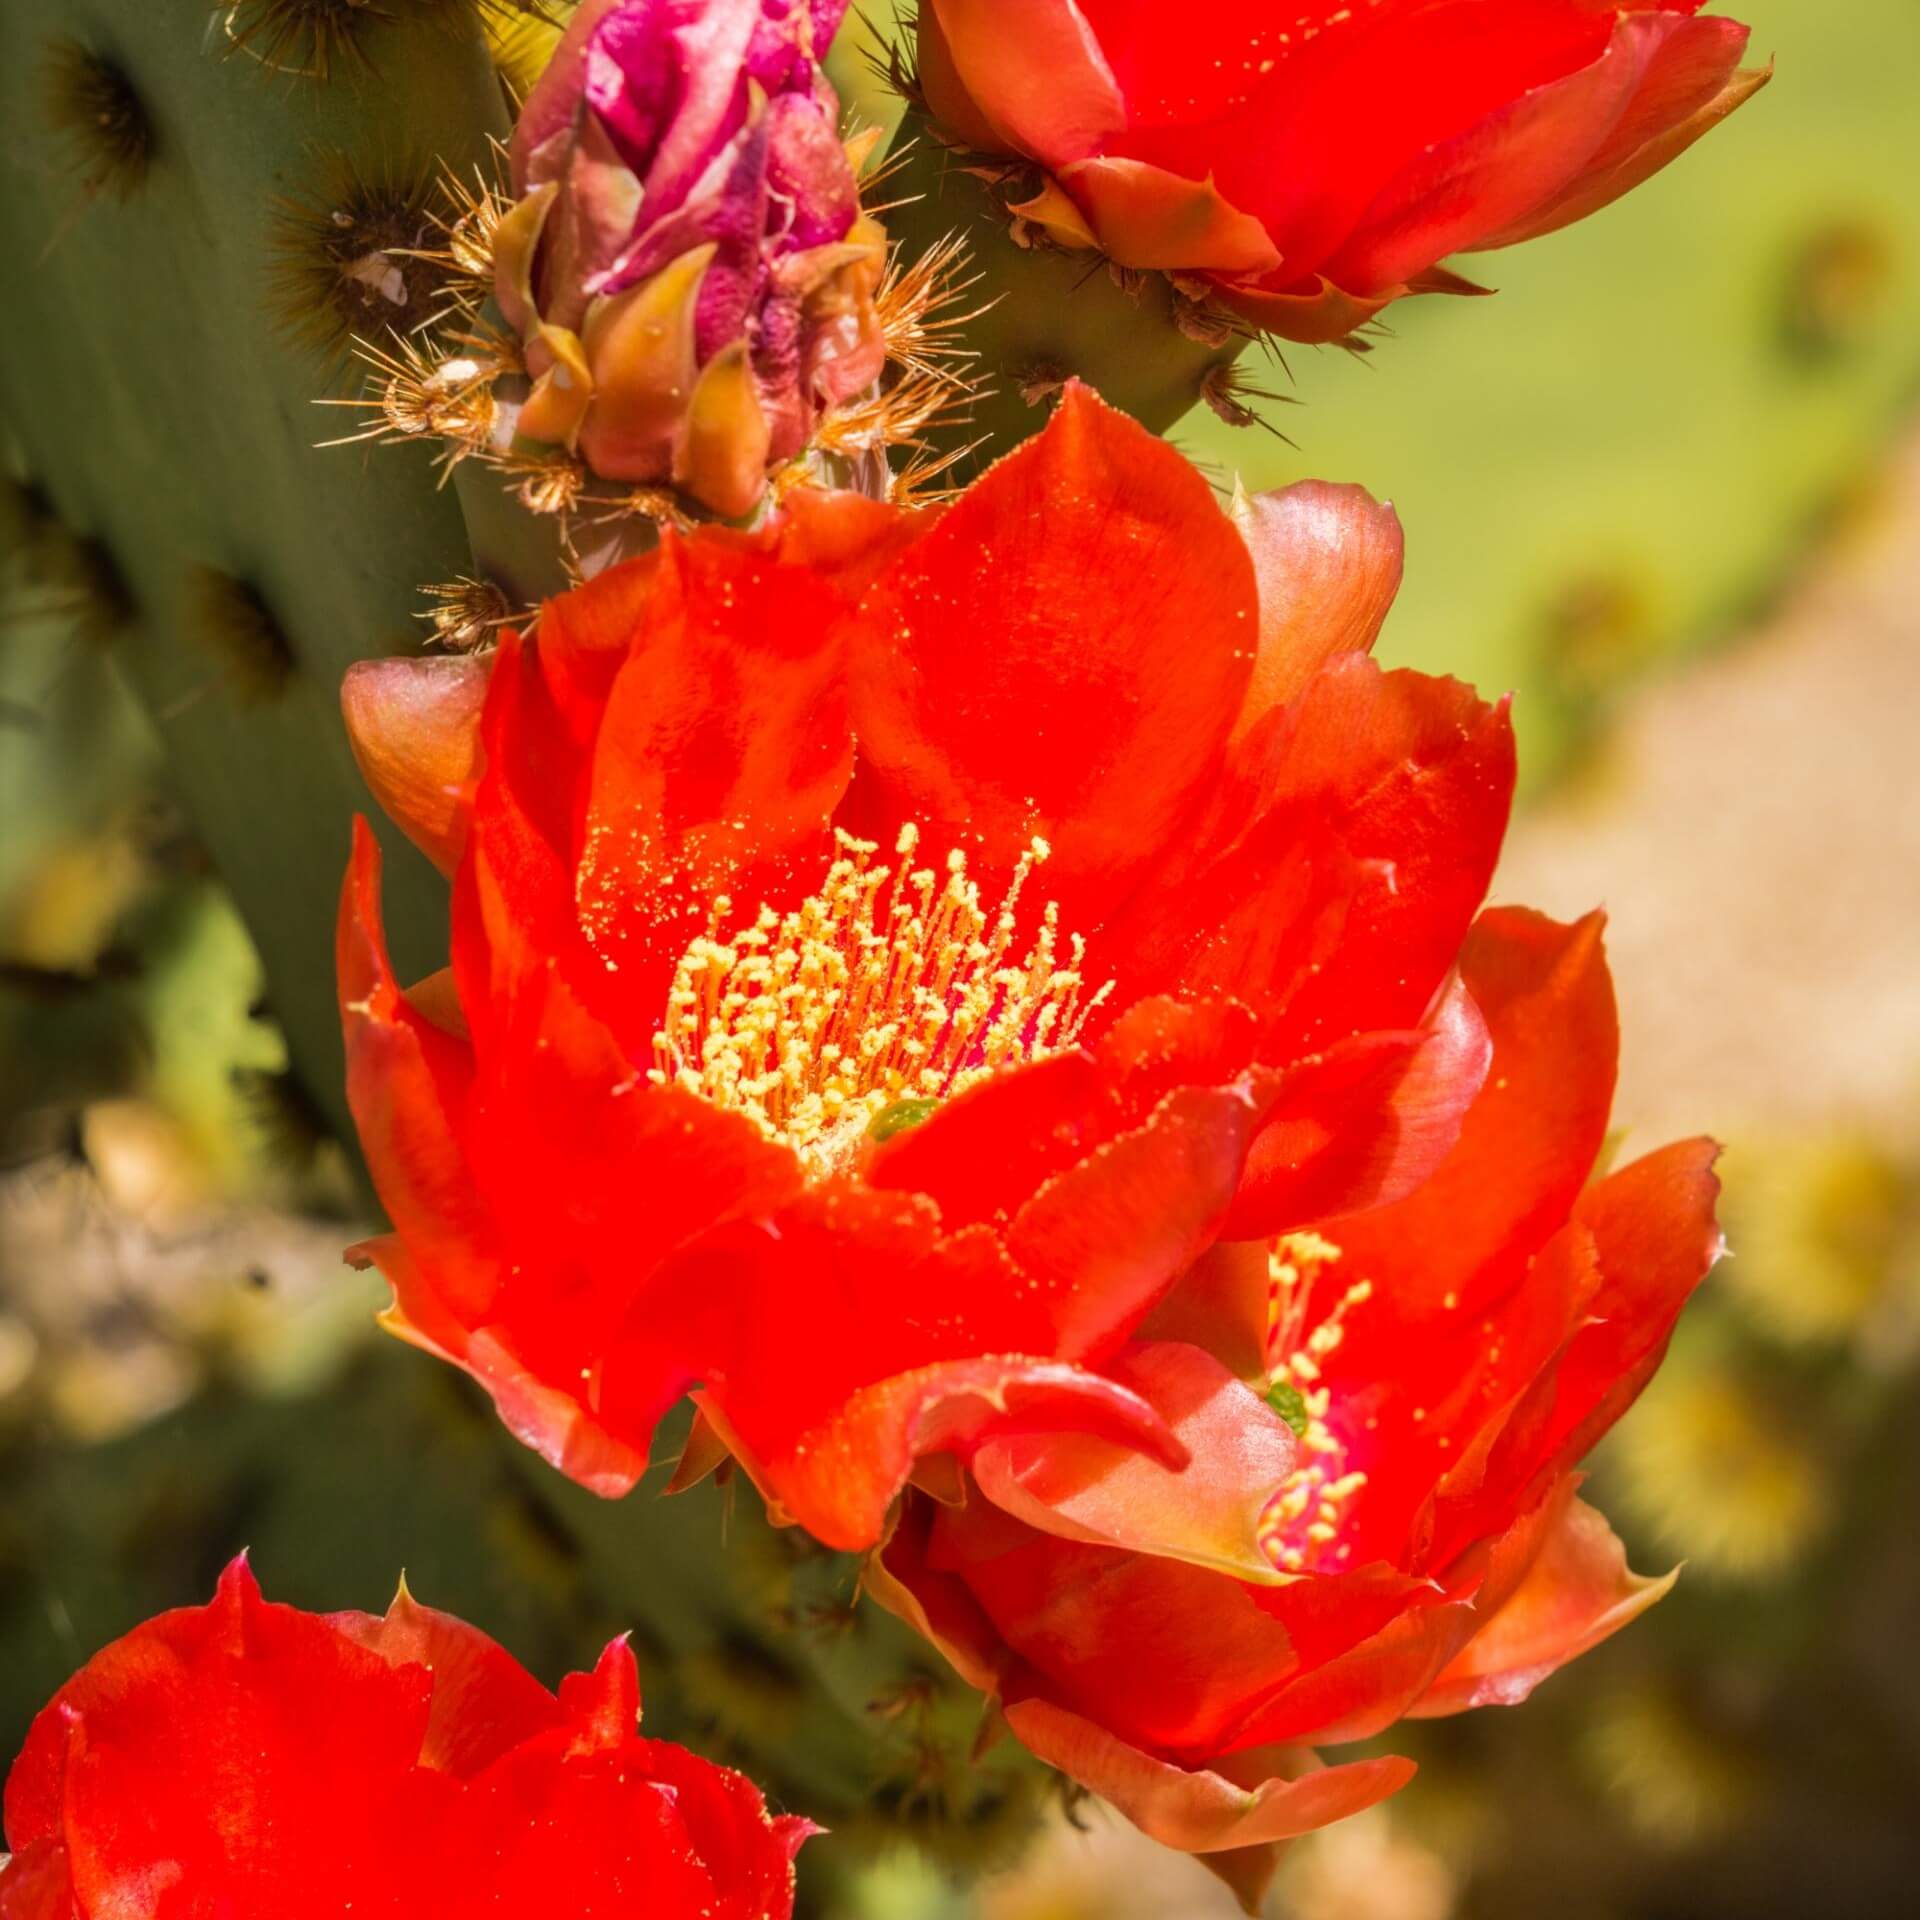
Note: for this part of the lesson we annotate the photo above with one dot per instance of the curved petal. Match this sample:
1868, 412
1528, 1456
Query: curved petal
1365, 1123
1367, 1688
936, 1605
1529, 1140
844, 1336
1512, 162
415, 730
839, 1479
1315, 312
484, 1702
1208, 1513
1166, 1654
1143, 216
982, 1155
407, 1081
36, 1883
1103, 1241
1328, 560
1691, 86
1655, 1239
1577, 1592
1033, 71
328, 1746
555, 1423
1350, 108
1202, 1810
1087, 584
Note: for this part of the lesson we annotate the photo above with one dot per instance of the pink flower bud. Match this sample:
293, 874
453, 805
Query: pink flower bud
688, 265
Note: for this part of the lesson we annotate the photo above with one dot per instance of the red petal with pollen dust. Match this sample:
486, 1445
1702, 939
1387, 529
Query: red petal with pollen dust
722, 753
1337, 122
1062, 655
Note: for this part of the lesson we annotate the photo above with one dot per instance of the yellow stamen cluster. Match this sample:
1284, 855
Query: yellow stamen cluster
1304, 1520
890, 984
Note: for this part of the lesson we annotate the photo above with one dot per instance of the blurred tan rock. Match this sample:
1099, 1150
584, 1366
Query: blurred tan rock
1757, 843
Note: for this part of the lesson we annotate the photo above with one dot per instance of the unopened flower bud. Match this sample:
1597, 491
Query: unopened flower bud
687, 264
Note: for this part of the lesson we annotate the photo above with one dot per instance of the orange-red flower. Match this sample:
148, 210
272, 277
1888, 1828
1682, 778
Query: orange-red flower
1438, 1365
1310, 164
244, 1758
776, 1059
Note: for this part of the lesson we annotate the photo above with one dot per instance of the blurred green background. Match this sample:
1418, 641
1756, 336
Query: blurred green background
1666, 486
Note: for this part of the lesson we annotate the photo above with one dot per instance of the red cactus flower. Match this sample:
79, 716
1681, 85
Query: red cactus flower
1439, 1366
725, 1087
247, 1758
1310, 164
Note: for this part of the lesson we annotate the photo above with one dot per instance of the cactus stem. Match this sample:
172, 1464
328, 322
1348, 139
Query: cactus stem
236, 626
92, 104
353, 255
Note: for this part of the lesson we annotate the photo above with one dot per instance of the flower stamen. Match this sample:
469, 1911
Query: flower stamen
888, 985
1306, 1515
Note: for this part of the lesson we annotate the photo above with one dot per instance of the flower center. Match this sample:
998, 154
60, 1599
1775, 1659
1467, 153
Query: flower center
1303, 1523
889, 989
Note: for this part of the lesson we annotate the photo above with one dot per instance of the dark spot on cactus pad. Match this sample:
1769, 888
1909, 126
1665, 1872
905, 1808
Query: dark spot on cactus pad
90, 103
314, 39
350, 256
238, 629
53, 573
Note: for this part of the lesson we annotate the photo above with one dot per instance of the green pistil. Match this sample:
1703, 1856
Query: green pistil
1288, 1402
899, 1117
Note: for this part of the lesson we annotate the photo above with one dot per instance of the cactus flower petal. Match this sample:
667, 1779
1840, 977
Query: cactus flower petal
415, 730
1577, 1592
1328, 561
